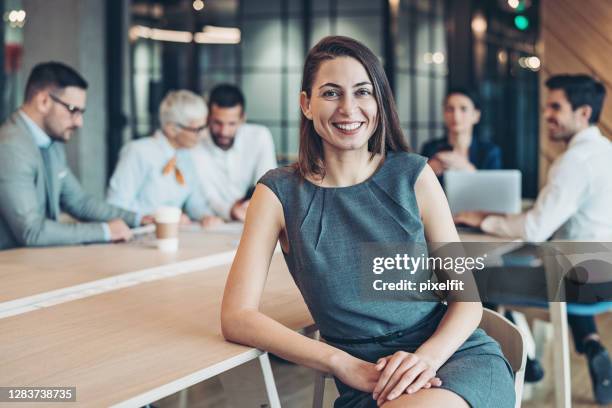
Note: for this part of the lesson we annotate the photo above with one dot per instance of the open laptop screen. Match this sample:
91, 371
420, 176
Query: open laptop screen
483, 190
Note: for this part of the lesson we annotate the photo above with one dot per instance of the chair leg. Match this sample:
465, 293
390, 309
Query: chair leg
319, 389
519, 383
521, 323
563, 385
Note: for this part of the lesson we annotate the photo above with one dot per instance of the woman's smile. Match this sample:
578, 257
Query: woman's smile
343, 108
348, 128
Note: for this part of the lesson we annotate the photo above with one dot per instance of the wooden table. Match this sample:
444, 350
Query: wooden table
135, 345
35, 276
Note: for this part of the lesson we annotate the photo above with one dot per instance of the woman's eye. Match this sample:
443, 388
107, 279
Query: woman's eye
330, 94
364, 92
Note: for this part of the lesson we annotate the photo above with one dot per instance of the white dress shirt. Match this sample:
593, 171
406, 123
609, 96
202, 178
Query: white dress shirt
575, 203
226, 175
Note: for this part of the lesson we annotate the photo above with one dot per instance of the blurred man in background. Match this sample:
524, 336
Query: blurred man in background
233, 155
36, 183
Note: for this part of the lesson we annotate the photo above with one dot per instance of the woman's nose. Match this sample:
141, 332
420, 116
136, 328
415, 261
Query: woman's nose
348, 104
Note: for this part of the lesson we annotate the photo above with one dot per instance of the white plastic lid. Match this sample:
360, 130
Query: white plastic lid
168, 214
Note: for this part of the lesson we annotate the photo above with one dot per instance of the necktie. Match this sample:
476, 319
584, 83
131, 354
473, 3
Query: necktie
52, 210
170, 167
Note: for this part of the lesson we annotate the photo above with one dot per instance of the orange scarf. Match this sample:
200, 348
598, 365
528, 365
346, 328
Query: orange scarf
171, 166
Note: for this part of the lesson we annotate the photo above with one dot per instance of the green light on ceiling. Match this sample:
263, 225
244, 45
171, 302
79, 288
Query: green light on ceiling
521, 22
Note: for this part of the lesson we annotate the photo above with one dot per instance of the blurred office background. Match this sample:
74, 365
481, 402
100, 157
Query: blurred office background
133, 51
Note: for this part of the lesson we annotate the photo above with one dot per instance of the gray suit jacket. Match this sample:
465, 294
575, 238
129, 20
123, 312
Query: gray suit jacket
28, 211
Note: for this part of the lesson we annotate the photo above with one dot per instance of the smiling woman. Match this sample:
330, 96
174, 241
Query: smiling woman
357, 183
344, 113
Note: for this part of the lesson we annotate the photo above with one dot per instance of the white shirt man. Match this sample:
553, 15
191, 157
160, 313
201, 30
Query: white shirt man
233, 155
574, 204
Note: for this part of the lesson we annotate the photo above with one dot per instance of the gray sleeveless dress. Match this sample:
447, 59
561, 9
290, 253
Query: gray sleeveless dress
325, 228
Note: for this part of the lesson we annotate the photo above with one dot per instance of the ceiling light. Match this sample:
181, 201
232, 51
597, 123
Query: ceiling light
198, 5
534, 63
479, 24
160, 35
218, 35
437, 57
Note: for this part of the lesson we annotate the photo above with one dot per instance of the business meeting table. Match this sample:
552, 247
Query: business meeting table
127, 325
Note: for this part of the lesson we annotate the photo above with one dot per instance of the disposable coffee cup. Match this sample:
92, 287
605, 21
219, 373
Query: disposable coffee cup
167, 220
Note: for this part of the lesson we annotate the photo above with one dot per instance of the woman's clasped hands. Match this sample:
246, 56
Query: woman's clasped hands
391, 376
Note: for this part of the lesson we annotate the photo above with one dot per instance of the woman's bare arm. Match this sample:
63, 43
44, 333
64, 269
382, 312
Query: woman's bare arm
241, 320
461, 318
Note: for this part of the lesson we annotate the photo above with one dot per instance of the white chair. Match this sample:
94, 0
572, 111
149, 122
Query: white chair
512, 343
498, 327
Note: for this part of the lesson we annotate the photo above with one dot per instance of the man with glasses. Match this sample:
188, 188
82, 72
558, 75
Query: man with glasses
158, 171
36, 184
233, 155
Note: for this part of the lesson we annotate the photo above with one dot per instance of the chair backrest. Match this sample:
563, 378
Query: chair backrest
507, 335
512, 344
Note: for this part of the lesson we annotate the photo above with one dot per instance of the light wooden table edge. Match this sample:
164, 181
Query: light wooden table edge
58, 296
204, 374
189, 380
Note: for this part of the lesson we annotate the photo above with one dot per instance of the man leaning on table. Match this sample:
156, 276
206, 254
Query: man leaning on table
233, 155
36, 183
575, 203
158, 170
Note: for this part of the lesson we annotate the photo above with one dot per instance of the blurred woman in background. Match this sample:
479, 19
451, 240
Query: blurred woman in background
459, 149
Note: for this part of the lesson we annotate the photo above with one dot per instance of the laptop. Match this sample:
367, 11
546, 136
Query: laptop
497, 191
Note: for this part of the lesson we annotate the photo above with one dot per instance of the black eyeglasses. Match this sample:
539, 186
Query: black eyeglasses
196, 130
72, 109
